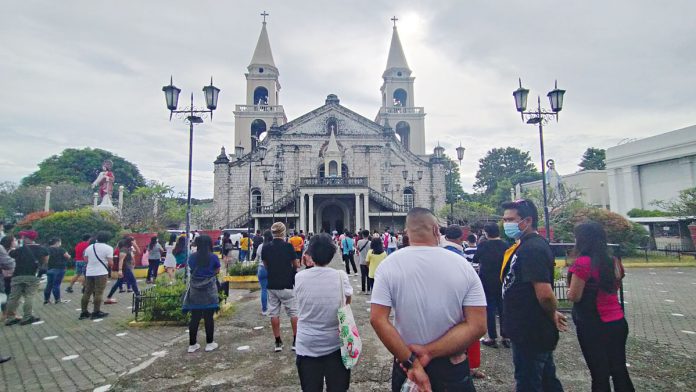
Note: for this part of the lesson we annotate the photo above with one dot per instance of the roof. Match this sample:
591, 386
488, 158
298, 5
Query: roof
662, 219
262, 53
396, 58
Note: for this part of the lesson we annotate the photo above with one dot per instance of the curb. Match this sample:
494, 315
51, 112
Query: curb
144, 324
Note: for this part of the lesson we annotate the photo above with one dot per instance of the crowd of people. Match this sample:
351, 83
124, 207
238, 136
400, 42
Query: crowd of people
436, 293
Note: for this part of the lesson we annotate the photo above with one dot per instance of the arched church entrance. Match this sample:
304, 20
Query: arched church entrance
332, 214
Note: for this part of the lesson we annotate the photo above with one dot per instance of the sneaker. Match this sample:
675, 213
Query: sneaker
30, 320
85, 315
98, 315
264, 312
121, 291
47, 302
130, 291
68, 290
110, 301
4, 359
211, 346
489, 343
12, 321
193, 348
278, 347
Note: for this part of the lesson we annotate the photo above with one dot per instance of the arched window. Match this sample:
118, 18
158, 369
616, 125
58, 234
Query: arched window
331, 124
404, 132
408, 198
344, 170
400, 97
321, 171
333, 169
257, 128
256, 200
261, 96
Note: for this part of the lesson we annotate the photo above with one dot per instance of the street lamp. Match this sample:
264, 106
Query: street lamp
192, 116
439, 153
412, 180
540, 116
261, 154
277, 178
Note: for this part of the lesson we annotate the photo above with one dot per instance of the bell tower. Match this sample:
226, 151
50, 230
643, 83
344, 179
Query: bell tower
262, 106
398, 99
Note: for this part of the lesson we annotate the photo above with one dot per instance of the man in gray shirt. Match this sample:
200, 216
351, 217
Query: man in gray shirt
439, 306
362, 247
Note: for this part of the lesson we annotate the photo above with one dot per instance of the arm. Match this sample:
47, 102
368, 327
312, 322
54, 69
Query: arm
6, 262
548, 302
458, 338
121, 258
577, 286
66, 255
110, 260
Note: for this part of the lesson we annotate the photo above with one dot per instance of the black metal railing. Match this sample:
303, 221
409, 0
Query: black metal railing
159, 307
386, 202
334, 181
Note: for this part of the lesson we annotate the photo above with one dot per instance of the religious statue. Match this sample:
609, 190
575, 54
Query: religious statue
105, 181
553, 179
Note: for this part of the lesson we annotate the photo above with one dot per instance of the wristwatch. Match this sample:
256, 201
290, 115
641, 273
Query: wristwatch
408, 364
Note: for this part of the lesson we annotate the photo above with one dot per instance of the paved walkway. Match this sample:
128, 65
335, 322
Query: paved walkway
154, 359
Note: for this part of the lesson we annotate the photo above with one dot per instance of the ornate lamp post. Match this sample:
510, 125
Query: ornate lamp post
540, 116
192, 115
412, 180
261, 154
439, 153
275, 179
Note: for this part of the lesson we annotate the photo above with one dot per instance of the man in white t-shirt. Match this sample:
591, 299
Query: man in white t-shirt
97, 257
439, 307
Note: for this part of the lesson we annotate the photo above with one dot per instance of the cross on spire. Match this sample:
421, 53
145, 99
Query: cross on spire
394, 19
264, 14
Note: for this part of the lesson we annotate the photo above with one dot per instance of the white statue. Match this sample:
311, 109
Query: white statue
553, 179
105, 182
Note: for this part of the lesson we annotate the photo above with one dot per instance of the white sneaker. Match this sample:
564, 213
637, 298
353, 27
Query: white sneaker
211, 346
194, 348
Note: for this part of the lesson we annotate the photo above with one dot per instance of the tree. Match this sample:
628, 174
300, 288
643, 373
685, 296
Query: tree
26, 199
469, 212
69, 226
82, 166
507, 163
453, 189
683, 206
152, 208
593, 159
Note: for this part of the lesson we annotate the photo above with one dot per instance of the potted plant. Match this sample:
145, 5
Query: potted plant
242, 276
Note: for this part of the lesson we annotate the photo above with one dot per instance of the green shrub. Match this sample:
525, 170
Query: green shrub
69, 226
638, 213
166, 305
242, 269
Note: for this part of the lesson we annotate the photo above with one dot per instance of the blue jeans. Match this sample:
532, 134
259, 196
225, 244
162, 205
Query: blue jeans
494, 306
129, 279
391, 250
263, 282
243, 255
534, 371
152, 269
54, 277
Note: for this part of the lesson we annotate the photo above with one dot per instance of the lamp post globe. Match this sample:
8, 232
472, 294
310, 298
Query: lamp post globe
419, 173
439, 151
211, 95
239, 151
404, 173
521, 95
556, 98
265, 174
262, 152
171, 94
460, 153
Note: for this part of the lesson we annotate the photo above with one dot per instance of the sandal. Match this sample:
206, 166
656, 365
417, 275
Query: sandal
475, 373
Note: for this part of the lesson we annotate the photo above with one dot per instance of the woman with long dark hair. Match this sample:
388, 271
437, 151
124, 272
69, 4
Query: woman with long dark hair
261, 272
155, 251
595, 278
125, 269
201, 297
180, 251
375, 255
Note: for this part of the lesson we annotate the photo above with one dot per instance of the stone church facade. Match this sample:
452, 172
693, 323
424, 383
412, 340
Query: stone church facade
329, 169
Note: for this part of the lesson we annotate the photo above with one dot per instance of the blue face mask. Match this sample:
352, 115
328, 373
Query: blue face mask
512, 230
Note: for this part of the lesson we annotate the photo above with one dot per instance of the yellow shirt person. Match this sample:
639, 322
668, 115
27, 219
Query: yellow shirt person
372, 260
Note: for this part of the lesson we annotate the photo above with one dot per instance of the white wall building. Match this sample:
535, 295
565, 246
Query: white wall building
650, 169
591, 184
331, 168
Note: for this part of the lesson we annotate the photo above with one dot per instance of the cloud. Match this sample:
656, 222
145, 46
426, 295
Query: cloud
91, 74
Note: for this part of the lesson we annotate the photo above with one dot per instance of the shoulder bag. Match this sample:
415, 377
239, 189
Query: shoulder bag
351, 343
94, 249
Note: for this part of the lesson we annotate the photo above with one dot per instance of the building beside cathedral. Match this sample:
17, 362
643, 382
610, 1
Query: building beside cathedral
332, 168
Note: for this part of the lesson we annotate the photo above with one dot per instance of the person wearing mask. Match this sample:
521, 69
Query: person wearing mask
439, 310
57, 263
201, 298
154, 257
170, 259
348, 252
99, 257
595, 278
262, 273
281, 262
79, 263
489, 256
363, 246
530, 316
125, 269
318, 345
29, 259
374, 257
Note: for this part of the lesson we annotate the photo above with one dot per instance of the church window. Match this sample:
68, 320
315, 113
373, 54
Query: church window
258, 127
261, 96
333, 169
256, 200
400, 97
408, 198
403, 130
260, 70
399, 73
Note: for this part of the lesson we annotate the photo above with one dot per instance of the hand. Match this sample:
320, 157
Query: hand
561, 321
418, 375
120, 274
421, 353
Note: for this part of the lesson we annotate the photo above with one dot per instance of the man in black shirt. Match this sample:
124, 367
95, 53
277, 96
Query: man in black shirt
281, 262
489, 257
530, 318
255, 242
29, 258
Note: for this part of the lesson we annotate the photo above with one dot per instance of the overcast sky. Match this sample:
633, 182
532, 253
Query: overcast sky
89, 73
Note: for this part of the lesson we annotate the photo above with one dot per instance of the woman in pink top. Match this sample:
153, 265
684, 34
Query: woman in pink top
602, 330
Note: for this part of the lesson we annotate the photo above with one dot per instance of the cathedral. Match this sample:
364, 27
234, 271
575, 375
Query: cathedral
329, 169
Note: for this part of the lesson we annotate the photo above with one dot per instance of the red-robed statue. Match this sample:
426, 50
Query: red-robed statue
105, 181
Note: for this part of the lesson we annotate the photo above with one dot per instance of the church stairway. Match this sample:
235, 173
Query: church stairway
246, 218
386, 202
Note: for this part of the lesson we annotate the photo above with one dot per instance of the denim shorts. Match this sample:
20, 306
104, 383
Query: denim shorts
80, 267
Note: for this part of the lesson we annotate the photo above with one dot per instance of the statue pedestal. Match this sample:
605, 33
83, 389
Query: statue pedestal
106, 205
